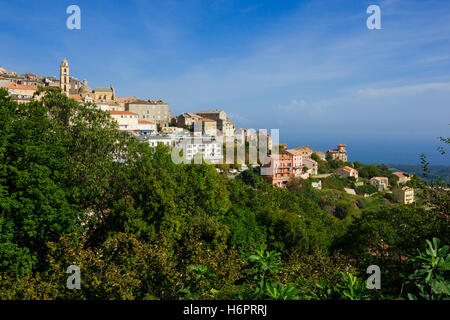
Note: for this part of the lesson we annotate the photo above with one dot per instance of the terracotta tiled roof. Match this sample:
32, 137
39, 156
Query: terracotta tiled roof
193, 115
379, 178
76, 97
138, 101
20, 86
127, 99
210, 111
206, 120
399, 174
347, 168
122, 112
156, 101
145, 122
304, 148
294, 151
134, 100
103, 89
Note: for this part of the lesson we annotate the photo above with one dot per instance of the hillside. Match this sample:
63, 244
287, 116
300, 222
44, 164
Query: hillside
435, 171
76, 192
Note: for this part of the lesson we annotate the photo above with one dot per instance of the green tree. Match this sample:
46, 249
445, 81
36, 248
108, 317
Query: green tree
366, 189
369, 171
385, 237
35, 203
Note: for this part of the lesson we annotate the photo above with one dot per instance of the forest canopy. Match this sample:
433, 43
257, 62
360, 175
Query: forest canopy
74, 190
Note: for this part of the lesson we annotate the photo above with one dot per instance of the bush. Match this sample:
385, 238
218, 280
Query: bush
333, 183
343, 209
389, 196
366, 189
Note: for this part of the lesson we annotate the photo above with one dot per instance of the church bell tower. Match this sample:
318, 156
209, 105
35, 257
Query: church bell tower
64, 77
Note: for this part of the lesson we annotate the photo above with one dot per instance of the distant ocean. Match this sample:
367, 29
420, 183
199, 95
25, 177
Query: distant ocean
436, 172
387, 151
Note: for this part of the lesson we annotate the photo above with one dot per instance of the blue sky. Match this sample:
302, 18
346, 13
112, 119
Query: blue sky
310, 68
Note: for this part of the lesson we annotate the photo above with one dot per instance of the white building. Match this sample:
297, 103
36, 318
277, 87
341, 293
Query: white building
167, 140
402, 178
173, 130
317, 185
311, 165
128, 121
106, 105
347, 172
206, 146
146, 127
381, 183
210, 150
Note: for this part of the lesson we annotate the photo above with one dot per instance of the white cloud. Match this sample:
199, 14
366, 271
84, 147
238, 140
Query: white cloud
435, 59
405, 90
294, 105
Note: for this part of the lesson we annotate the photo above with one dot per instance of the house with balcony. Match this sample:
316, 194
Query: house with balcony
402, 178
404, 195
338, 154
382, 183
288, 164
347, 172
279, 169
128, 121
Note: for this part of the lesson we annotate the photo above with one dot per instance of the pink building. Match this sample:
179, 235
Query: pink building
283, 166
279, 169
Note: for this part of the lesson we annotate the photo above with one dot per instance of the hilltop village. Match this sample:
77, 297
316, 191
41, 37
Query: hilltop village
93, 180
151, 121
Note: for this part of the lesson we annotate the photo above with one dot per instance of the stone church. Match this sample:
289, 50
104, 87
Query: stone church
81, 91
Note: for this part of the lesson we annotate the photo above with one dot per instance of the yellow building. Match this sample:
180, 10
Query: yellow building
105, 94
404, 195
